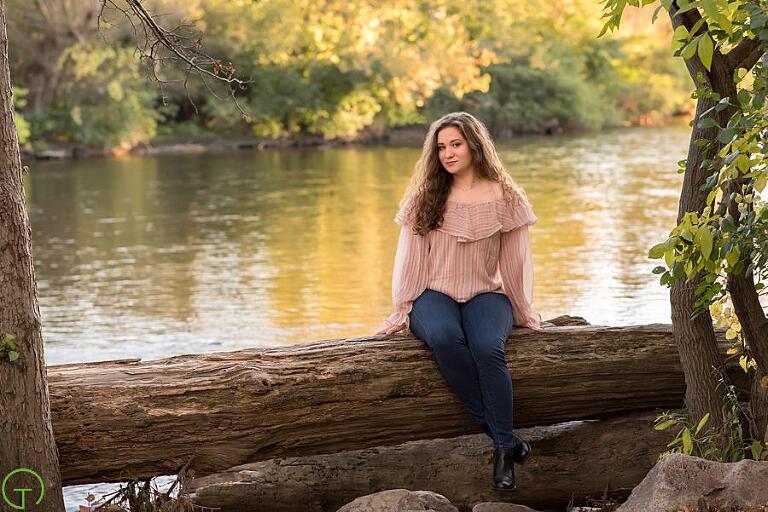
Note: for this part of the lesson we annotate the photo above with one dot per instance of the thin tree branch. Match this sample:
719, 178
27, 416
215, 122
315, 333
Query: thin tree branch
746, 54
154, 40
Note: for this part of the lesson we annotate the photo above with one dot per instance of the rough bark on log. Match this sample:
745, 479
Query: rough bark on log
116, 420
577, 460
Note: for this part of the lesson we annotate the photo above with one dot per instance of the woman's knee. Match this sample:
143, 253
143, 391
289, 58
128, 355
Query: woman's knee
490, 349
445, 336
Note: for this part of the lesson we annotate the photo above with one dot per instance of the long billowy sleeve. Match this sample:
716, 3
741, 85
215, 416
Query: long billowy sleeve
516, 269
409, 277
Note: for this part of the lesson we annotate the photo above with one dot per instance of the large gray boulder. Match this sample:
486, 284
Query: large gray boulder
679, 481
400, 500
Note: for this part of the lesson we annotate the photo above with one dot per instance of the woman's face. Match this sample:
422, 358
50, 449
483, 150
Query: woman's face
453, 151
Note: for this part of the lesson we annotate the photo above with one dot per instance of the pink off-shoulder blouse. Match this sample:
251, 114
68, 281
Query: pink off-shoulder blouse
480, 247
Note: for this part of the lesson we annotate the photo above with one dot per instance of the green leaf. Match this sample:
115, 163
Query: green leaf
743, 163
669, 258
704, 240
744, 96
680, 35
760, 182
757, 449
674, 442
744, 363
665, 425
687, 441
689, 270
702, 422
13, 355
657, 251
732, 256
9, 341
725, 136
707, 122
689, 50
712, 12
706, 49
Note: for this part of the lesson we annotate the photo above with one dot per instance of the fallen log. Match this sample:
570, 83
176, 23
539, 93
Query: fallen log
118, 420
574, 461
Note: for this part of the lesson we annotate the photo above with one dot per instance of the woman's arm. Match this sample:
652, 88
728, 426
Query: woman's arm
409, 279
516, 269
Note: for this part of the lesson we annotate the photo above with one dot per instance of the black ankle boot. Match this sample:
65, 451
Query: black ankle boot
504, 469
522, 451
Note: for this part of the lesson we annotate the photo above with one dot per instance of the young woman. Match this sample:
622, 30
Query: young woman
463, 274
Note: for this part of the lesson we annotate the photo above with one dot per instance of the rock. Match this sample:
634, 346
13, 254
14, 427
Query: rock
400, 500
501, 507
680, 481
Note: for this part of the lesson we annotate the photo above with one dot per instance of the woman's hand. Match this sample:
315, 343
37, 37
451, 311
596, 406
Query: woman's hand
532, 322
388, 330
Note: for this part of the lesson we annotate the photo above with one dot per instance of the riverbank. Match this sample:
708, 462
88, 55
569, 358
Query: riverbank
176, 144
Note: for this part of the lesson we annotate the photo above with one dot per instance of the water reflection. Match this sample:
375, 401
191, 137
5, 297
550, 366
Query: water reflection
153, 256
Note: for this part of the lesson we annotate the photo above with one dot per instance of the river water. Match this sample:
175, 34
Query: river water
155, 256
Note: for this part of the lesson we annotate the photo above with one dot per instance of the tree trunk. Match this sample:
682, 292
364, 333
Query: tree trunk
695, 338
754, 324
574, 461
26, 436
119, 419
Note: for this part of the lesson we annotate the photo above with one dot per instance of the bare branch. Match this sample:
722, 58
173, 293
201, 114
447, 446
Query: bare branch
157, 44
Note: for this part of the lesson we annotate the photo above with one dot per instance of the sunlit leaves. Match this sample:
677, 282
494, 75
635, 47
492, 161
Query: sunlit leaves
705, 49
8, 349
703, 239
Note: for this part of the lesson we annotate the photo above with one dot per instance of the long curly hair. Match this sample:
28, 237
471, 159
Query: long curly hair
431, 183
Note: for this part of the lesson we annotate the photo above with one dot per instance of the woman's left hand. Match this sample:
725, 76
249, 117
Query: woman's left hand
388, 330
533, 322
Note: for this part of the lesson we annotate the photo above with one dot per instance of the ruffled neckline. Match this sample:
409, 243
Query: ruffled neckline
469, 222
460, 203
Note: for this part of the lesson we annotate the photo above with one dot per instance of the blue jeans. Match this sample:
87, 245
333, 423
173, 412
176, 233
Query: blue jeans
468, 341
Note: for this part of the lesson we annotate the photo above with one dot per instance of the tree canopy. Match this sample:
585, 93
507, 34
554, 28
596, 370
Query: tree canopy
341, 69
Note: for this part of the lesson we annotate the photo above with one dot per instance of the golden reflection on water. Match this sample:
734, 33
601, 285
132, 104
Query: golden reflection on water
155, 256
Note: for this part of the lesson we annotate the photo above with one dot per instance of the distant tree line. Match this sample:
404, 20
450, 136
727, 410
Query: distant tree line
340, 69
